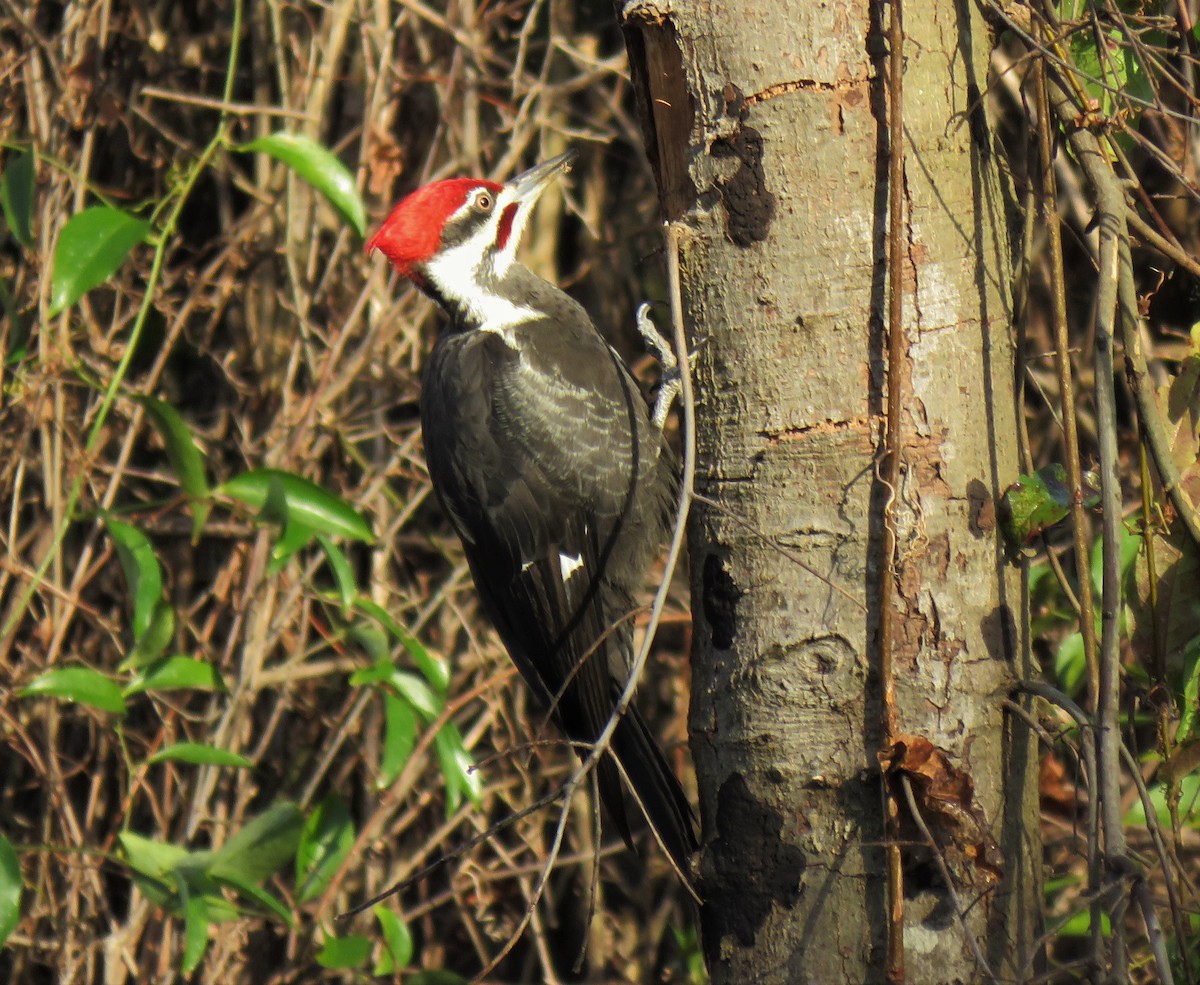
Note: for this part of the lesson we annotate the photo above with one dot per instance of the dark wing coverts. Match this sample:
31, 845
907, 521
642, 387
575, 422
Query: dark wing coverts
521, 459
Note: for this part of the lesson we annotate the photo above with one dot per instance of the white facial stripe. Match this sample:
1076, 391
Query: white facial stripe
568, 564
456, 274
470, 203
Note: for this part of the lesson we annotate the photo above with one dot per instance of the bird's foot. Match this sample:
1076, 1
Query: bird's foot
653, 338
669, 386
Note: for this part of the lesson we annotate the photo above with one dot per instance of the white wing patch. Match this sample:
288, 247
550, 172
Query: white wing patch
568, 564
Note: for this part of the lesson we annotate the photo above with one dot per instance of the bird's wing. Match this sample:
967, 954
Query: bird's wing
525, 469
538, 475
526, 473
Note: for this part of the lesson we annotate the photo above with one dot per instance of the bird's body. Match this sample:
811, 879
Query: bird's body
542, 452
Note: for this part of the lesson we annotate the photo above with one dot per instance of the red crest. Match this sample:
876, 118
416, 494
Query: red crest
412, 233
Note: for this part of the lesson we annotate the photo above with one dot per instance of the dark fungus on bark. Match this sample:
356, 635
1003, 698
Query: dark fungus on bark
749, 206
999, 631
720, 597
982, 517
749, 868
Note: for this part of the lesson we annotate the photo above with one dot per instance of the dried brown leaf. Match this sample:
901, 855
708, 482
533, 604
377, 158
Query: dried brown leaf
945, 796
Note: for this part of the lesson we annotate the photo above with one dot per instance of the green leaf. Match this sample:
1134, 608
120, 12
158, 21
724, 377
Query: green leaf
176, 674
458, 768
1100, 73
399, 738
91, 246
376, 673
158, 893
262, 846
1127, 552
325, 842
220, 909
155, 859
16, 196
1053, 885
258, 895
1183, 612
1070, 663
344, 952
155, 640
434, 668
343, 574
143, 575
186, 459
79, 684
10, 889
304, 501
1039, 500
295, 536
195, 938
417, 693
1189, 705
1080, 925
397, 942
169, 875
320, 168
1189, 791
200, 755
375, 644
1137, 85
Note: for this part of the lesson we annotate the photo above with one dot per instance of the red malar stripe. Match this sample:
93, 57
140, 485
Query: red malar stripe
506, 222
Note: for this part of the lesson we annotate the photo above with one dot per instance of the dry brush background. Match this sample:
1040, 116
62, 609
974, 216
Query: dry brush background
282, 346
252, 312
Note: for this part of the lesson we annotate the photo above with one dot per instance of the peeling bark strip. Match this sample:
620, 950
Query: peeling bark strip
668, 114
665, 107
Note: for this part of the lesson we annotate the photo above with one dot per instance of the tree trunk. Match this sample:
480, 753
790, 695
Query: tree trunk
767, 129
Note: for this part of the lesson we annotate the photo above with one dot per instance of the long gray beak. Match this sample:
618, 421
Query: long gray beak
530, 184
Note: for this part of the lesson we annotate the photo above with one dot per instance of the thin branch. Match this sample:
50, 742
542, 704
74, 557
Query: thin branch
1167, 247
1112, 208
226, 107
1087, 748
1066, 390
947, 880
1154, 932
889, 476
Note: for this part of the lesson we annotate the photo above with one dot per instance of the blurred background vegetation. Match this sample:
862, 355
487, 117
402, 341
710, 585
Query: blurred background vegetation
244, 685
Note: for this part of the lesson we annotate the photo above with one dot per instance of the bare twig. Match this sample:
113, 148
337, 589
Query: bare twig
947, 879
888, 473
1048, 208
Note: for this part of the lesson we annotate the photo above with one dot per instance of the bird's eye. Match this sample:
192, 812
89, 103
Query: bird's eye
483, 202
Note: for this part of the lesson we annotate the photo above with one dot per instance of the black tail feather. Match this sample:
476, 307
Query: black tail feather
612, 796
656, 790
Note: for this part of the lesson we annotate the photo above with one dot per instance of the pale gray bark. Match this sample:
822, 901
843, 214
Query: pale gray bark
766, 126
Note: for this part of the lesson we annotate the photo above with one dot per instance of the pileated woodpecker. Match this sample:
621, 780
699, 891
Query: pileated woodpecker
544, 457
